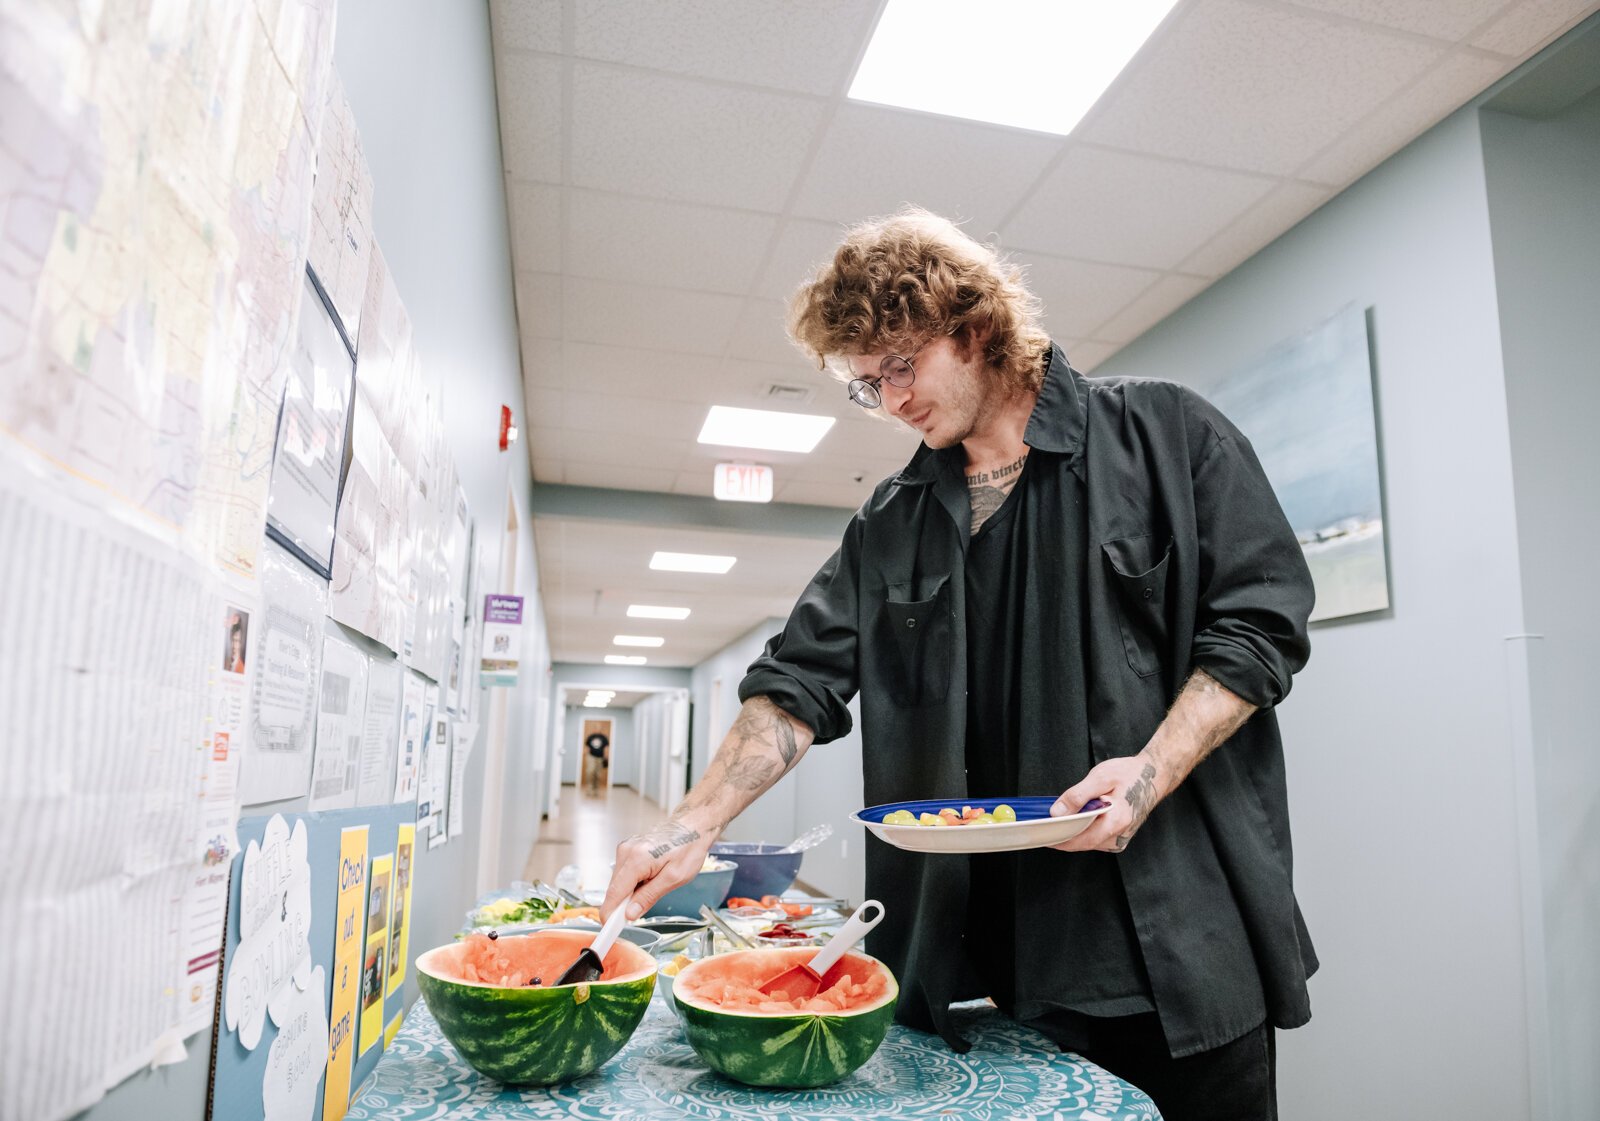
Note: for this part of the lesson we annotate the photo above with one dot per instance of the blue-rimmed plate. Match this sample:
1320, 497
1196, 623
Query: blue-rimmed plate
1033, 829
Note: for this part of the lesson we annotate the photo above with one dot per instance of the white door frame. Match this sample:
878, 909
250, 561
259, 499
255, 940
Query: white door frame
558, 718
492, 815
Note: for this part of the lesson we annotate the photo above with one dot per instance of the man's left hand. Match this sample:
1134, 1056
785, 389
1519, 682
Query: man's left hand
1129, 784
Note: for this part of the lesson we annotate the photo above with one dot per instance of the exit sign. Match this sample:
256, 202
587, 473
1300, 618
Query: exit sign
743, 482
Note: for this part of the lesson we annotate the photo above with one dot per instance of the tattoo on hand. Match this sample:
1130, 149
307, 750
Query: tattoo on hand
667, 836
1141, 798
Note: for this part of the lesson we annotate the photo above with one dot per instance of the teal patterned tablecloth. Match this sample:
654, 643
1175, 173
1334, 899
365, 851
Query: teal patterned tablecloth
1010, 1072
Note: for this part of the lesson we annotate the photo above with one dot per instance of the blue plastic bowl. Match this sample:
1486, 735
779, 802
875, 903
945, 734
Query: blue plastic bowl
708, 889
763, 869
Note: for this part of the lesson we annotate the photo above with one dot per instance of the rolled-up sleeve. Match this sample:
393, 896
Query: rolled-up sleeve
809, 669
1255, 590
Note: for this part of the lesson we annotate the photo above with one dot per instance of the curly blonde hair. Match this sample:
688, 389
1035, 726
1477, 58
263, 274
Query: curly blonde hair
898, 281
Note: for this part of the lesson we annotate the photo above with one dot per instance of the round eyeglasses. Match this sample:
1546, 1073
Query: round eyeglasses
895, 370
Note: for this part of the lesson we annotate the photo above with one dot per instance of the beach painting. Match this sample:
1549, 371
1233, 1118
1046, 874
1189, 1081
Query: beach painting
1307, 407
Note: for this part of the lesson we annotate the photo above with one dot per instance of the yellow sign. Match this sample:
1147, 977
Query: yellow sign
393, 1029
400, 925
372, 962
347, 936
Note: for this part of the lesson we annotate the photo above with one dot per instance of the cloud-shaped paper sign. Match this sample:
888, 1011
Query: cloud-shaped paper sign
274, 932
299, 1055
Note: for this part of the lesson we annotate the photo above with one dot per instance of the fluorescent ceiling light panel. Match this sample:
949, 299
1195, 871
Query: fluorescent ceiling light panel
595, 704
643, 611
625, 659
691, 562
1006, 62
762, 428
636, 640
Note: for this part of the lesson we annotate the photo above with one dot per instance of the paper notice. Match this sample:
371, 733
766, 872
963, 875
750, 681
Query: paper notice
349, 935
413, 727
341, 212
373, 972
379, 734
295, 1059
400, 927
432, 774
341, 713
462, 738
274, 952
311, 426
288, 653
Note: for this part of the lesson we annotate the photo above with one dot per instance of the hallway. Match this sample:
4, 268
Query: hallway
587, 833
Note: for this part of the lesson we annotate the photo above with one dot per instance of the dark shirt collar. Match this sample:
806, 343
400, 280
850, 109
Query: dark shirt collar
1055, 425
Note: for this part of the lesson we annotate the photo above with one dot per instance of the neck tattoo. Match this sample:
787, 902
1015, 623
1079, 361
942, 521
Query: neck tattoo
988, 489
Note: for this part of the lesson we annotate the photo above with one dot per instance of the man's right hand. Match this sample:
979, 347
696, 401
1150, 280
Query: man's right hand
652, 863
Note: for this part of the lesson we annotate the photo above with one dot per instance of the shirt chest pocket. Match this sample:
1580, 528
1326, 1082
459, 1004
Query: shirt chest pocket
915, 627
1138, 567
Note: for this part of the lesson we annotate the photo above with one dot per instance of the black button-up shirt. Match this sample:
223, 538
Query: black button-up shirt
1188, 563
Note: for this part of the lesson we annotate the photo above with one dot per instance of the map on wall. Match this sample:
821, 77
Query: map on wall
1307, 408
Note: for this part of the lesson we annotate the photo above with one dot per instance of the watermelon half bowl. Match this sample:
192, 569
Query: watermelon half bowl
755, 1039
509, 1029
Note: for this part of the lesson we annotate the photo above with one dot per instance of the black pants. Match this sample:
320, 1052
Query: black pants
1234, 1082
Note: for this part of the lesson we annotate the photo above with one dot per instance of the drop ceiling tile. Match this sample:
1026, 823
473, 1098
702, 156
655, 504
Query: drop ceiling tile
535, 226
527, 25
696, 481
1128, 209
1444, 90
530, 109
633, 416
802, 246
633, 372
548, 471
760, 334
542, 362
631, 315
546, 444
545, 407
815, 391
1090, 354
1529, 25
1259, 226
1163, 298
873, 160
648, 134
1449, 21
806, 47
644, 241
659, 454
1080, 295
539, 304
1259, 89
621, 478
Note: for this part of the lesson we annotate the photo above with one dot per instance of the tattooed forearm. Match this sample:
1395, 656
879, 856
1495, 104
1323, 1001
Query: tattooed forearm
1202, 717
751, 772
667, 836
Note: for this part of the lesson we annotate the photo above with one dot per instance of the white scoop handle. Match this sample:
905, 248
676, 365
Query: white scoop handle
608, 933
854, 929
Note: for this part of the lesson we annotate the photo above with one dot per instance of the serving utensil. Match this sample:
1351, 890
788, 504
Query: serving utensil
803, 981
590, 962
811, 838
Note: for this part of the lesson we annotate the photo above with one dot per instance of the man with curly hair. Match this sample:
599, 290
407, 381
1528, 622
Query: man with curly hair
1075, 585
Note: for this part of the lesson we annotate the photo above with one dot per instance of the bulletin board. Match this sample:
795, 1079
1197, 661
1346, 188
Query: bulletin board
274, 1022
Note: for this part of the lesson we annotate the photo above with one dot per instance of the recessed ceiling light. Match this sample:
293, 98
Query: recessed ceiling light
596, 704
625, 659
691, 562
636, 640
760, 428
642, 611
1015, 62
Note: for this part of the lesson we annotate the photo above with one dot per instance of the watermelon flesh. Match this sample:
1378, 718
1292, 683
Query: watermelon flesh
762, 1040
482, 993
523, 960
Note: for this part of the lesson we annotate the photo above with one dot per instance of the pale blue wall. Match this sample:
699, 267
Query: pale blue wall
1544, 208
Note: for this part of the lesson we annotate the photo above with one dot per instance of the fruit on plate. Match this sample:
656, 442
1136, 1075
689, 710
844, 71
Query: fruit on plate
769, 1040
496, 1002
969, 815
